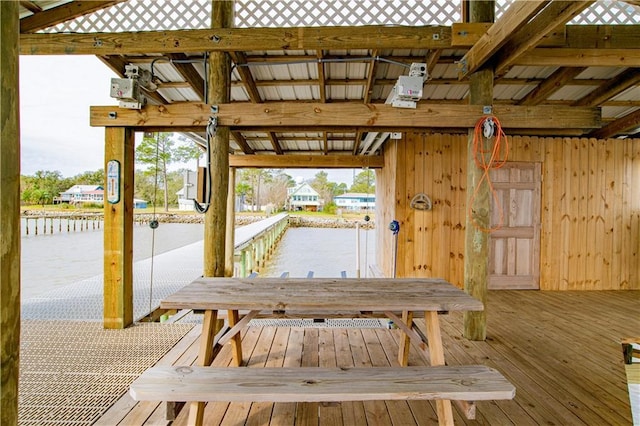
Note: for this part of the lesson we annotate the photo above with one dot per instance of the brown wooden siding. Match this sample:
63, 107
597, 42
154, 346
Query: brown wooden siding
590, 237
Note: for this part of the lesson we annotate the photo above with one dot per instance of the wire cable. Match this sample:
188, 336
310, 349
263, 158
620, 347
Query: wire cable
154, 223
488, 129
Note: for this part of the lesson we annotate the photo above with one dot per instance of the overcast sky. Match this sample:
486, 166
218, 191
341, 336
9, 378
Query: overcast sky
55, 95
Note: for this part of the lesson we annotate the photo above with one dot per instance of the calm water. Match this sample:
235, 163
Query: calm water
50, 261
326, 252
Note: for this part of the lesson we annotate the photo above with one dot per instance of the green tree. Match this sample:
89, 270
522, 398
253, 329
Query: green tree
42, 187
255, 179
364, 182
157, 151
325, 188
277, 189
89, 178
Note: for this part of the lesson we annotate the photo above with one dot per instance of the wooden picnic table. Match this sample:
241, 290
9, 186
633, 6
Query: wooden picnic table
397, 299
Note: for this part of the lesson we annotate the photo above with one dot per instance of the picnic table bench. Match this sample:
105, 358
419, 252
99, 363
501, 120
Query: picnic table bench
397, 299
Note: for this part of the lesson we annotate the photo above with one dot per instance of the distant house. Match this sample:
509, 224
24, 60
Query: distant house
303, 197
82, 194
139, 204
355, 201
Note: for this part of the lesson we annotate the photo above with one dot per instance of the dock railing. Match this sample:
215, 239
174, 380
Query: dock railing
255, 243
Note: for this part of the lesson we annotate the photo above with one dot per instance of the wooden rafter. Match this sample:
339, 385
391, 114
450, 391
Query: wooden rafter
530, 35
621, 125
301, 161
552, 84
240, 60
304, 115
236, 39
580, 57
275, 142
242, 142
30, 6
321, 77
65, 12
371, 77
189, 73
433, 57
325, 143
356, 142
611, 88
517, 15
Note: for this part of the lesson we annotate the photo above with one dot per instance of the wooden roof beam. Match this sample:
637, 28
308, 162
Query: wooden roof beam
275, 142
517, 15
237, 39
30, 6
432, 59
371, 77
189, 73
553, 16
242, 142
302, 161
581, 57
322, 80
304, 115
240, 60
356, 142
325, 143
65, 12
611, 88
552, 84
621, 125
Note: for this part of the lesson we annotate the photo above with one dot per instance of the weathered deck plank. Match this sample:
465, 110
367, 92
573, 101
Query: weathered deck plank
560, 349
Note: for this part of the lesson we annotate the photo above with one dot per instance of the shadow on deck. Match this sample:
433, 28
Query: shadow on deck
560, 349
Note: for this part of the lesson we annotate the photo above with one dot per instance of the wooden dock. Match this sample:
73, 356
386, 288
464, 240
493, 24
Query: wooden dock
560, 349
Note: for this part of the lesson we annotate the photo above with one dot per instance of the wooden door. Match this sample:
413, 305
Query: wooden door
514, 259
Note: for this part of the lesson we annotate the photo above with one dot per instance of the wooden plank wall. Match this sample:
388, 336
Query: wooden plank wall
590, 237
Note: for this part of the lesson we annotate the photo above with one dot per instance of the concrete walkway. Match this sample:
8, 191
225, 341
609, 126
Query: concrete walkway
153, 280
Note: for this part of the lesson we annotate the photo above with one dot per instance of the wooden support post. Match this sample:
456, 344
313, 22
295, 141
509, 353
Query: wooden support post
9, 212
118, 228
476, 258
219, 92
216, 222
231, 225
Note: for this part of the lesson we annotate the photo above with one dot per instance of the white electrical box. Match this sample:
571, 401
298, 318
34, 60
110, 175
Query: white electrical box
409, 88
124, 88
127, 91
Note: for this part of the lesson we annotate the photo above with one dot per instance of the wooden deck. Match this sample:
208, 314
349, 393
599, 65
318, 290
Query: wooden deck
560, 349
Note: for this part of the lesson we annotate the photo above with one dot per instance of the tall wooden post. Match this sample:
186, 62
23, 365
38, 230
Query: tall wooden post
219, 91
118, 227
9, 212
476, 258
229, 264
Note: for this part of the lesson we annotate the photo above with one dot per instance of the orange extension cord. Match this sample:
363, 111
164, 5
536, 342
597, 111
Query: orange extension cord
497, 157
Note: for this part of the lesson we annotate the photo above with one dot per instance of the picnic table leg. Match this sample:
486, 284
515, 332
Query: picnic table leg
205, 358
405, 343
436, 353
236, 341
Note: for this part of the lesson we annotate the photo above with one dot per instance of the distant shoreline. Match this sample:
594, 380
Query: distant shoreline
241, 220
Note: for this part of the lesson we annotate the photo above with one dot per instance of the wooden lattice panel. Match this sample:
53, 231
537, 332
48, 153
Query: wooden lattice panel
153, 15
345, 13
